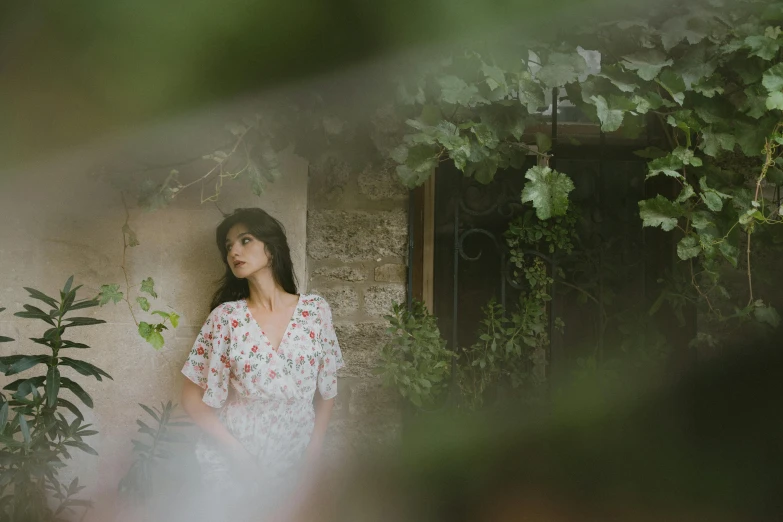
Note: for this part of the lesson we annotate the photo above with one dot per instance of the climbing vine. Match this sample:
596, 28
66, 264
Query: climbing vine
705, 76
702, 79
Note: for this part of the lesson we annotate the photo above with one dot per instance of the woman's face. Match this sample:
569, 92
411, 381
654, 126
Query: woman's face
245, 254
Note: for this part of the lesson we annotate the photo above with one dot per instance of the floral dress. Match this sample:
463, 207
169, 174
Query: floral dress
265, 394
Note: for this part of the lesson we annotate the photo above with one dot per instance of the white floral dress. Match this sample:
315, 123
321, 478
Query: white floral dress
265, 395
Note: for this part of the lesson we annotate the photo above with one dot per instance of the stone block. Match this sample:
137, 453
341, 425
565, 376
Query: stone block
391, 273
361, 337
357, 235
379, 184
341, 273
378, 299
342, 300
360, 364
371, 399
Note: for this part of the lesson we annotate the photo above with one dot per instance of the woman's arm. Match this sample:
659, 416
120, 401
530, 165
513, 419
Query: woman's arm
323, 412
204, 417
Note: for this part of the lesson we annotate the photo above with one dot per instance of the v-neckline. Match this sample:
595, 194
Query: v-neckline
287, 327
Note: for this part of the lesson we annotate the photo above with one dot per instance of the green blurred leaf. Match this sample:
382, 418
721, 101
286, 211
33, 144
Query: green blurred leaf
561, 68
130, 236
143, 303
647, 64
766, 314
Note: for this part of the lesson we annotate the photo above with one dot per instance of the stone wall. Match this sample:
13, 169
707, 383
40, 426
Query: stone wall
357, 243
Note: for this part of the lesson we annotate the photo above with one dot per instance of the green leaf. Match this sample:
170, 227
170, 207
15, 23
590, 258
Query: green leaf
548, 190
33, 382
688, 247
730, 252
145, 329
52, 386
130, 235
25, 428
82, 446
484, 170
543, 142
87, 303
766, 314
164, 315
762, 46
751, 135
709, 87
773, 78
156, 340
685, 194
755, 104
456, 91
660, 212
27, 362
84, 368
485, 135
686, 156
143, 303
109, 293
713, 142
150, 412
35, 294
694, 65
668, 165
495, 77
32, 312
561, 69
647, 64
83, 321
775, 101
622, 80
530, 93
148, 287
71, 344
70, 407
650, 153
674, 85
611, 119
680, 28
174, 318
77, 390
711, 197
420, 164
68, 284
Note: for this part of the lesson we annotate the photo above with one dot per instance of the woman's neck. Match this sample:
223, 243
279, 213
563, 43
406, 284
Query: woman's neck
266, 293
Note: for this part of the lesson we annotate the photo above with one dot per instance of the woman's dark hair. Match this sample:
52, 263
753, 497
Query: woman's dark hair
266, 229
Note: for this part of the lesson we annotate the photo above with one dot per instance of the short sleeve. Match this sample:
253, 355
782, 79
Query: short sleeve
331, 356
208, 364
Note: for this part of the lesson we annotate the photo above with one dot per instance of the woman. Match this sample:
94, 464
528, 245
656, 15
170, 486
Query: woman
254, 370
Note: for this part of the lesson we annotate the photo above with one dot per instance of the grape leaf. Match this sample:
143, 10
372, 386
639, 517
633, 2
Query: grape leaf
110, 293
548, 190
660, 212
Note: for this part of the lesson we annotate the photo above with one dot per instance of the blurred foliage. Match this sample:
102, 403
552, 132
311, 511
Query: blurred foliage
36, 437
